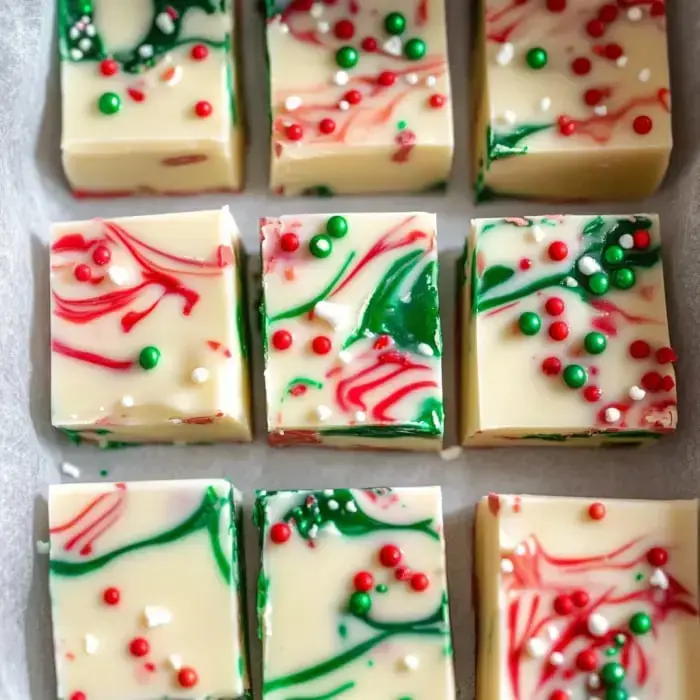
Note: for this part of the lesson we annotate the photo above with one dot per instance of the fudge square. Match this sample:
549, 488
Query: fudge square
146, 591
352, 595
149, 97
148, 334
565, 337
572, 99
360, 96
352, 330
582, 599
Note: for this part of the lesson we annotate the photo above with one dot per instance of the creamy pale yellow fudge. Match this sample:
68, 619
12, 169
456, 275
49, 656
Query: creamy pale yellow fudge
352, 595
150, 99
148, 331
587, 600
564, 332
572, 99
352, 330
359, 96
146, 591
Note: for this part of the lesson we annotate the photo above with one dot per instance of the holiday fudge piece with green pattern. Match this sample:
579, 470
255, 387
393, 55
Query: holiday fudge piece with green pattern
352, 595
147, 591
149, 97
565, 338
352, 330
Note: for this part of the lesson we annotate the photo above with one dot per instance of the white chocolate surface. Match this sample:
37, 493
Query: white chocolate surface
528, 552
394, 140
172, 594
198, 391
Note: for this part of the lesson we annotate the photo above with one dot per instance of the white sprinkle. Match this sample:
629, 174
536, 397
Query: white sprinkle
424, 349
316, 10
536, 648
157, 616
393, 46
570, 282
199, 375
292, 103
284, 28
344, 356
600, 110
636, 393
332, 504
411, 78
330, 312
410, 662
42, 547
92, 644
622, 61
431, 81
451, 453
74, 33
556, 658
360, 416
545, 104
323, 413
146, 51
634, 14
594, 681
507, 566
598, 625
85, 19
553, 632
341, 77
76, 54
626, 241
175, 661
327, 492
510, 117
612, 415
313, 532
505, 54
90, 30
323, 27
165, 23
644, 75
351, 507
126, 401
587, 265
537, 234
658, 579
119, 275
70, 470
343, 105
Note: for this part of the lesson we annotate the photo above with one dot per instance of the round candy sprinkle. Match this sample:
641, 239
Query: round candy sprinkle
402, 573
369, 44
101, 255
613, 51
109, 67
294, 132
551, 365
536, 58
666, 355
651, 381
363, 581
346, 57
581, 66
559, 331
525, 264
657, 557
642, 125
667, 383
326, 126
592, 97
598, 283
556, 5
289, 242
281, 340
592, 394
624, 278
419, 582
203, 109
559, 695
414, 49
642, 239
390, 555
587, 660
353, 97
78, 695
82, 273
280, 533
640, 623
614, 254
199, 52
320, 246
111, 595
595, 343
639, 349
395, 23
612, 674
608, 13
657, 9
554, 306
187, 677
109, 103
580, 598
595, 28
337, 226
616, 694
139, 646
321, 345
149, 357
563, 605
558, 250
529, 323
575, 376
437, 101
386, 78
344, 30
360, 603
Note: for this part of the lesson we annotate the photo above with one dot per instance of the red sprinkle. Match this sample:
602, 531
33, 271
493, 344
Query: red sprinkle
642, 125
657, 556
280, 533
613, 51
363, 581
281, 340
593, 97
657, 9
419, 582
667, 383
592, 393
556, 5
651, 381
111, 595
596, 511
666, 355
402, 573
321, 345
82, 273
203, 109
580, 598
587, 660
390, 555
563, 605
187, 677
353, 97
289, 242
369, 43
298, 390
559, 695
581, 65
437, 101
639, 349
596, 28
566, 126
150, 667
101, 255
642, 239
525, 264
386, 78
344, 29
109, 67
78, 695
551, 366
554, 306
558, 250
295, 132
383, 341
199, 52
608, 13
139, 646
326, 126
559, 330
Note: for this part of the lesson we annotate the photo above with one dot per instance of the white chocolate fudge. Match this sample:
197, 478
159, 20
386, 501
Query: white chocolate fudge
564, 332
146, 591
587, 600
148, 332
572, 99
352, 595
150, 98
352, 330
360, 96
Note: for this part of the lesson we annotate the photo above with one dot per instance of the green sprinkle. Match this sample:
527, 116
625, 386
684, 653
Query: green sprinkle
529, 323
337, 226
640, 623
360, 603
575, 376
109, 103
624, 278
536, 58
598, 283
595, 343
320, 246
612, 674
394, 23
347, 57
382, 588
414, 49
149, 357
401, 125
104, 473
614, 254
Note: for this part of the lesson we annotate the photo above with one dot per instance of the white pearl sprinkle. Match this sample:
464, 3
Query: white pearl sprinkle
612, 415
127, 401
333, 314
507, 566
328, 492
175, 661
85, 19
156, 616
636, 393
634, 14
92, 644
658, 579
200, 375
165, 23
411, 78
553, 632
341, 77
622, 61
351, 507
393, 46
600, 110
345, 357
537, 234
360, 416
332, 504
598, 625
90, 30
313, 532
545, 104
70, 470
594, 681
118, 275
644, 75
323, 413
626, 241
424, 349
431, 81
42, 547
505, 54
316, 10
146, 51
570, 282
410, 662
76, 54
343, 105
292, 103
74, 33
588, 265
556, 658
323, 27
284, 28
536, 648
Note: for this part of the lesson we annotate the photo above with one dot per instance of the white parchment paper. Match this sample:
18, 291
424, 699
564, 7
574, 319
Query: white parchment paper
33, 193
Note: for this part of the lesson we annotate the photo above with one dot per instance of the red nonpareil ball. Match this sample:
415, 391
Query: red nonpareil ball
580, 598
101, 255
642, 239
321, 345
289, 242
344, 29
199, 52
563, 605
281, 340
551, 366
326, 126
559, 330
139, 646
587, 660
666, 355
363, 581
592, 393
109, 67
111, 595
390, 555
657, 556
596, 511
558, 250
419, 582
639, 349
187, 677
82, 273
280, 533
